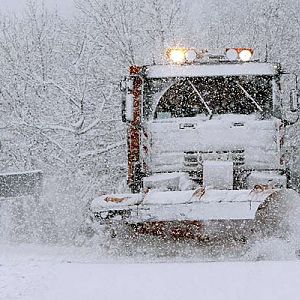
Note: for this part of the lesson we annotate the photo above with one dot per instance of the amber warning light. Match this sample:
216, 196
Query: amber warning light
242, 54
181, 55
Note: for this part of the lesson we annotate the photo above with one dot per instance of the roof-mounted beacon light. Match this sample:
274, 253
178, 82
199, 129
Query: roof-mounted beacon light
241, 54
232, 54
190, 55
181, 55
246, 54
176, 55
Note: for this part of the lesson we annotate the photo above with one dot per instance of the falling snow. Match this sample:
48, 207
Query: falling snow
218, 140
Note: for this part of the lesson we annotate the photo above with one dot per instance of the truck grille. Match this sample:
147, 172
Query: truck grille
193, 160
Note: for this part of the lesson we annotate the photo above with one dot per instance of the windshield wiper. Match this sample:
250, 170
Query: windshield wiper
201, 99
250, 98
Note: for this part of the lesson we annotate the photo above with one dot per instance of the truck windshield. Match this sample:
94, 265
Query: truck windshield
189, 97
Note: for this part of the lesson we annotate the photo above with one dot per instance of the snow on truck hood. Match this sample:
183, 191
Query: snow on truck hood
258, 139
252, 68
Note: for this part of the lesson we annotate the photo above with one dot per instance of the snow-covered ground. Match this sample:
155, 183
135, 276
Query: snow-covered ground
34, 272
145, 267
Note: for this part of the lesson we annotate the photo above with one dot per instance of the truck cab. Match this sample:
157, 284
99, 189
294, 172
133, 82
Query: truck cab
205, 147
202, 108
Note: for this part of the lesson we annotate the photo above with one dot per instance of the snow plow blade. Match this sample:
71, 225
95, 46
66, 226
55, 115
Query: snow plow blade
191, 205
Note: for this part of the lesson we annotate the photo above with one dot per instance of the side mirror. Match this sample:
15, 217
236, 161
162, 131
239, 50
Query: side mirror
126, 86
122, 85
294, 100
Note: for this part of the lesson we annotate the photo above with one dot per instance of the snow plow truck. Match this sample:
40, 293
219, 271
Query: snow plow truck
205, 135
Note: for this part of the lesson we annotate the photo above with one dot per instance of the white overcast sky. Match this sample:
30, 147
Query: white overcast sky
65, 7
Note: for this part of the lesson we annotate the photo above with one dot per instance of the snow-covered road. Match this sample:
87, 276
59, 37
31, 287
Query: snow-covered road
34, 273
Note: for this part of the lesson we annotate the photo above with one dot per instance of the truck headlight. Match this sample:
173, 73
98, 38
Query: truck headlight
176, 55
245, 55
